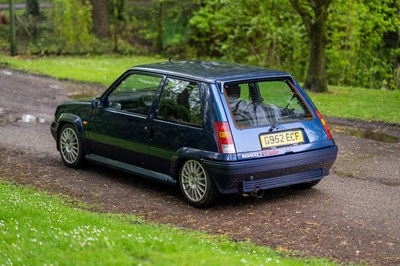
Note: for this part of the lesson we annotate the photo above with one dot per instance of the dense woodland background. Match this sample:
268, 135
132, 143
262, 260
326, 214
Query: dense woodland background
360, 39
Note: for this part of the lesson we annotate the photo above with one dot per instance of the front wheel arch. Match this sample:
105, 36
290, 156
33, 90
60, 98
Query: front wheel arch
68, 118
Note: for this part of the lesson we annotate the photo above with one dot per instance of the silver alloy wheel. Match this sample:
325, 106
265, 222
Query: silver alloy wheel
69, 145
194, 180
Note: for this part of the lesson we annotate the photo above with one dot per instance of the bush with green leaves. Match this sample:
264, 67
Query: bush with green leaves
72, 24
267, 33
364, 39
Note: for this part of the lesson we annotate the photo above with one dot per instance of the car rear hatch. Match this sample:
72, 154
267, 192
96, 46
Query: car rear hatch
272, 117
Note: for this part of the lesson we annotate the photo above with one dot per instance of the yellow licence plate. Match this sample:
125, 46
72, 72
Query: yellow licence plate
281, 138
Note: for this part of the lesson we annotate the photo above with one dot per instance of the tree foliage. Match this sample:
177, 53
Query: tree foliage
32, 8
360, 38
363, 46
249, 31
72, 21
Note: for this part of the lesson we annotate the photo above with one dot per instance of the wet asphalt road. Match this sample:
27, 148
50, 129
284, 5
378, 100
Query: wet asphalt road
357, 206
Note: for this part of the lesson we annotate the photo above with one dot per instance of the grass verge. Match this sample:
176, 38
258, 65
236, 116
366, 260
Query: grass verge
94, 69
359, 103
343, 102
38, 229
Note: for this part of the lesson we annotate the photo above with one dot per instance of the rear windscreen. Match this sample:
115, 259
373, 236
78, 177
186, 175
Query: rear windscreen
264, 103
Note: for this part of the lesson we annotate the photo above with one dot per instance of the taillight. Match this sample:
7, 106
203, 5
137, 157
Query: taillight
224, 137
324, 124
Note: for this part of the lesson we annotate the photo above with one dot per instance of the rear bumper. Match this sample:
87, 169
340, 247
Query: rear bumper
271, 172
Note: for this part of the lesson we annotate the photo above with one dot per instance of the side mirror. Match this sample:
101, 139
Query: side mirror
97, 103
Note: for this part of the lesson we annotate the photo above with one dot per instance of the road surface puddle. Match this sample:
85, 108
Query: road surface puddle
80, 96
31, 119
364, 133
7, 117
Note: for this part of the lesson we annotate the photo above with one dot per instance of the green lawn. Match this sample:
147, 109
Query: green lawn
95, 69
38, 229
8, 1
359, 103
343, 102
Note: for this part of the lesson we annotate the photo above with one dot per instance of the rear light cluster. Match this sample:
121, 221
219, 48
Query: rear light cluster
324, 124
224, 137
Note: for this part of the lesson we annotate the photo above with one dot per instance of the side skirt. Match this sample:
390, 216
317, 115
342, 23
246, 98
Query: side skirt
131, 169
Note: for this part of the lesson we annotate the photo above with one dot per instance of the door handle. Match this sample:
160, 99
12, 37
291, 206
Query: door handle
149, 130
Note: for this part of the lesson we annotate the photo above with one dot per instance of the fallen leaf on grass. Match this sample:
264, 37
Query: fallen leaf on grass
282, 249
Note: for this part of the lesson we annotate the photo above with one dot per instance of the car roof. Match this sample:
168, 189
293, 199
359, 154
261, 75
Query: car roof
210, 71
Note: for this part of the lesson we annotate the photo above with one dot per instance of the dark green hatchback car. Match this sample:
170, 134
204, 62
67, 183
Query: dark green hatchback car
210, 128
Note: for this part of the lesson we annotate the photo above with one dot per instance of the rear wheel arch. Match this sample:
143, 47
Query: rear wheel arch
196, 185
184, 154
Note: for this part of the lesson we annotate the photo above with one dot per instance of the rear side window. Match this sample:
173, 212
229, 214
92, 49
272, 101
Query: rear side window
181, 102
263, 103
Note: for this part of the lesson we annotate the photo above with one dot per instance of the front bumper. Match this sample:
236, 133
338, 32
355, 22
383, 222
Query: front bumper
271, 172
54, 129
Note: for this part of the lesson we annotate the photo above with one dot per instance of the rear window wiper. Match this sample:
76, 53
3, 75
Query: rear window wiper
275, 124
290, 101
278, 121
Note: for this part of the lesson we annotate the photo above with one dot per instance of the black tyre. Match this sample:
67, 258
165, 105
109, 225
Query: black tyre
70, 145
307, 185
196, 186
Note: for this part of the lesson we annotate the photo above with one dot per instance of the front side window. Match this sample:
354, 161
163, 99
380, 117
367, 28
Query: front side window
181, 102
134, 94
264, 103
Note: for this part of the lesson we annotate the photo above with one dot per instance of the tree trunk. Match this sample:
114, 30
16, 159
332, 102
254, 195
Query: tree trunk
316, 79
33, 14
159, 44
100, 18
32, 8
315, 19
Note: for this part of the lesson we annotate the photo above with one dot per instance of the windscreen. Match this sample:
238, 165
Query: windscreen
264, 103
